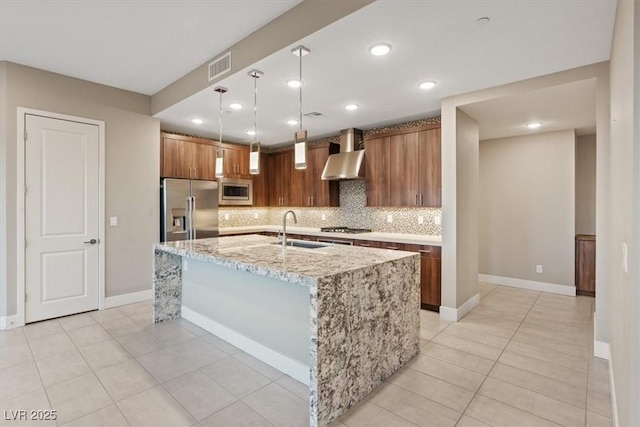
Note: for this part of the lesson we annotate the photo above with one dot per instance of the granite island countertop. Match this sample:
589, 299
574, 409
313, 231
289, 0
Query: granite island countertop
263, 255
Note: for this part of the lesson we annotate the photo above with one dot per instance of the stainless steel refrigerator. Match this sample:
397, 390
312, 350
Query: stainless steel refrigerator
189, 209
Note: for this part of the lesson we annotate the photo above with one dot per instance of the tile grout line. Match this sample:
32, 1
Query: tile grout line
496, 361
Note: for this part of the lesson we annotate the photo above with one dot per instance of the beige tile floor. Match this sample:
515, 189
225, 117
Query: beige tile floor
521, 358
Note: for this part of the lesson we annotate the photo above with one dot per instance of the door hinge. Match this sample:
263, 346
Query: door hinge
25, 297
25, 136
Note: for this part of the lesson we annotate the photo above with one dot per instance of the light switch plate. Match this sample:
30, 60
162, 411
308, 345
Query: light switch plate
113, 221
226, 217
420, 219
538, 269
324, 217
255, 215
389, 218
438, 219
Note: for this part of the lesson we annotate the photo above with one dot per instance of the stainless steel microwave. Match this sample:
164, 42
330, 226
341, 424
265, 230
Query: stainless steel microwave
235, 192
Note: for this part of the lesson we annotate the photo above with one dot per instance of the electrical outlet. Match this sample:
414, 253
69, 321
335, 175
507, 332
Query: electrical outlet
420, 219
113, 221
389, 218
226, 217
538, 269
438, 219
255, 215
323, 217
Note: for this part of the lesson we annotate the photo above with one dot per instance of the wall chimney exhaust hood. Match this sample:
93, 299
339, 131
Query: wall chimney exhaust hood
349, 162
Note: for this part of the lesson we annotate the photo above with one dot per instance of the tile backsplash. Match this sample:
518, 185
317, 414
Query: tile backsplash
351, 213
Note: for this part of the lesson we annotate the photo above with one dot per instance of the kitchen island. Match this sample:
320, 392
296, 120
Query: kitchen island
341, 319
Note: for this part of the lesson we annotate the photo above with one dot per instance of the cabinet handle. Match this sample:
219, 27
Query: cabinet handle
425, 251
365, 245
312, 201
416, 199
393, 248
421, 201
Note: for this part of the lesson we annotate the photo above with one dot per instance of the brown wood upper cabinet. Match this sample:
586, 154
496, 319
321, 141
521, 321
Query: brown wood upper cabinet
302, 187
236, 160
187, 157
404, 168
280, 174
318, 192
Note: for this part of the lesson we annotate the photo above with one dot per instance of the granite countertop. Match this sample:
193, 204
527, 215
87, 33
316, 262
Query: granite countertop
262, 255
416, 239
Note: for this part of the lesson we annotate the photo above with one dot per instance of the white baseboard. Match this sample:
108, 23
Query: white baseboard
612, 387
9, 322
455, 314
601, 349
130, 298
289, 366
528, 284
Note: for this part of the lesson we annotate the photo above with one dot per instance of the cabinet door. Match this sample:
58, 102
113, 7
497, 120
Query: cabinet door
403, 170
242, 160
319, 192
280, 176
203, 161
585, 265
430, 282
376, 162
175, 159
430, 175
261, 183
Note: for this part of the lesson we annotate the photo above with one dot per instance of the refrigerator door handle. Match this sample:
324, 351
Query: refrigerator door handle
193, 218
190, 226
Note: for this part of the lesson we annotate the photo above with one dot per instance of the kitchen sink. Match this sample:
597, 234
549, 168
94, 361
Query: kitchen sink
304, 244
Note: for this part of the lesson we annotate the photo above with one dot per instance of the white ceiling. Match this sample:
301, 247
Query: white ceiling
138, 45
144, 45
569, 106
431, 40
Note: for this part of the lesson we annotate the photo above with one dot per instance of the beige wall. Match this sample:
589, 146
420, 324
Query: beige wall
624, 184
3, 182
527, 188
132, 169
586, 184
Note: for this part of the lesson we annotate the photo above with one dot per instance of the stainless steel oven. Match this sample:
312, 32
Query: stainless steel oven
235, 192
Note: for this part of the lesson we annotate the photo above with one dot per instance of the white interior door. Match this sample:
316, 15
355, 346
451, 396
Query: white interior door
61, 217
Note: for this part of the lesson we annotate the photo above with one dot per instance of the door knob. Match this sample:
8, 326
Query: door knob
92, 241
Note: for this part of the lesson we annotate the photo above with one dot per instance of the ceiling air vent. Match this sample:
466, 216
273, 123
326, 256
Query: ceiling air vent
313, 114
220, 66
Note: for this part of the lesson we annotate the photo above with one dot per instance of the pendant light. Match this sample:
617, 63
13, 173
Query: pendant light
254, 152
219, 170
300, 136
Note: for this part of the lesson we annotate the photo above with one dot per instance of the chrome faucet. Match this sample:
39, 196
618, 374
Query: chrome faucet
284, 226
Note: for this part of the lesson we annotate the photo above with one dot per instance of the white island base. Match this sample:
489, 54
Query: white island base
340, 319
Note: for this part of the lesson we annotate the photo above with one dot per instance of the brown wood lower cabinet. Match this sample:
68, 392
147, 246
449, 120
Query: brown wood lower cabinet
586, 265
430, 269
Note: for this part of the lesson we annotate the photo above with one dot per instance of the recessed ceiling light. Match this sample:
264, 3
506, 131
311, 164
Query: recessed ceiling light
251, 132
380, 49
482, 21
235, 106
292, 122
351, 107
197, 121
427, 85
534, 125
294, 83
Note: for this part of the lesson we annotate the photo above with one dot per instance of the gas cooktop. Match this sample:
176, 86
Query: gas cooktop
345, 230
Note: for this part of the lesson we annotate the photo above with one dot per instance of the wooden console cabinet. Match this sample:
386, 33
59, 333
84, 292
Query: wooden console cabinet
586, 264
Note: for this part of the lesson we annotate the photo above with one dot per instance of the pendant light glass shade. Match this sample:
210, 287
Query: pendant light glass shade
219, 166
254, 152
300, 152
254, 159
